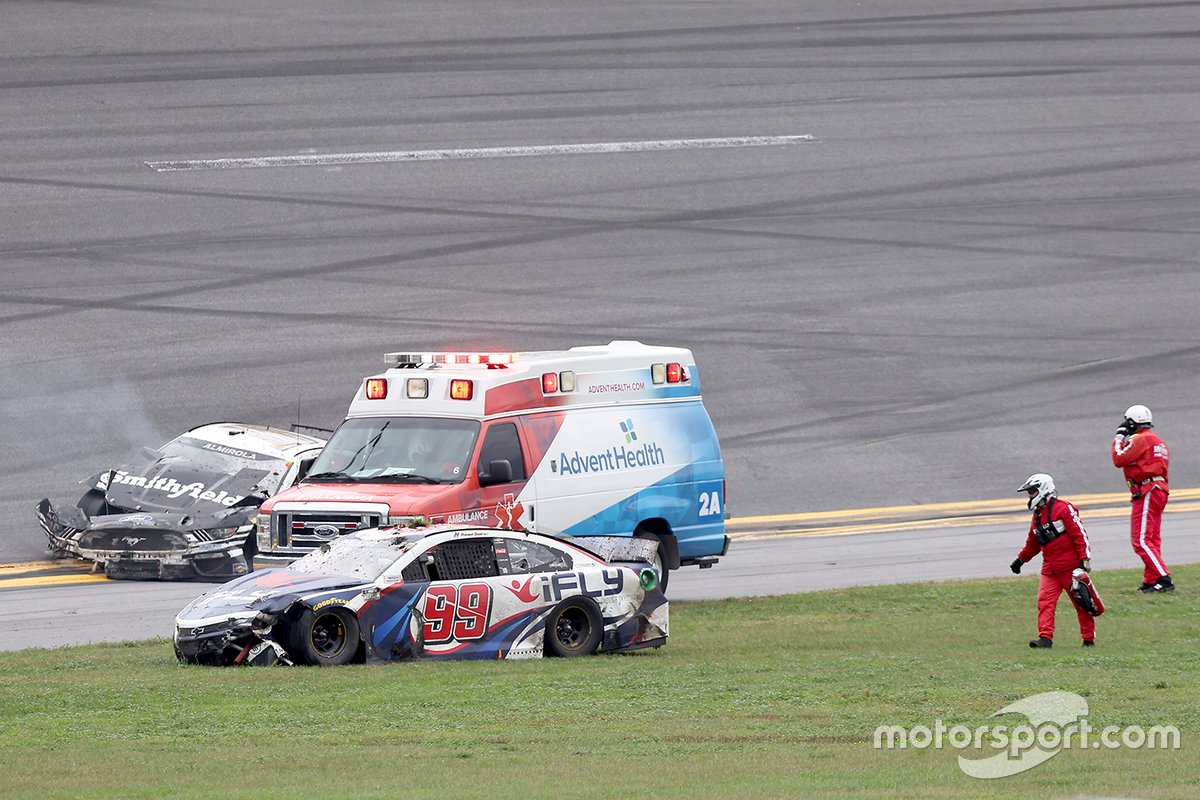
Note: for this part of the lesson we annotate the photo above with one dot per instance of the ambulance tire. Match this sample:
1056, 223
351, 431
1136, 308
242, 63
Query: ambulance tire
574, 628
664, 574
658, 562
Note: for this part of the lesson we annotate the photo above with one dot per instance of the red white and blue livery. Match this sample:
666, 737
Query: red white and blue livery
426, 593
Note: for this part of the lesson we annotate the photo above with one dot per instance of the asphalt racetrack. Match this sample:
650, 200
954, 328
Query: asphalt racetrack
919, 249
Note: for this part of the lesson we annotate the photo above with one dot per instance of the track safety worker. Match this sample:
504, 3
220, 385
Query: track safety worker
1057, 533
1144, 457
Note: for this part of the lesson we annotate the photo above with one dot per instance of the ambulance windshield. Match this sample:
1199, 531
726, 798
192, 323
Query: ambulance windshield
397, 450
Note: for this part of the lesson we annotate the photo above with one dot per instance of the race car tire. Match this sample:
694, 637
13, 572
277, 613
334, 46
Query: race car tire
325, 638
185, 659
574, 628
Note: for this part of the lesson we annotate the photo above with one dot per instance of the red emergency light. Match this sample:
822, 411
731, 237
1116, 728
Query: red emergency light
376, 388
461, 389
549, 382
674, 373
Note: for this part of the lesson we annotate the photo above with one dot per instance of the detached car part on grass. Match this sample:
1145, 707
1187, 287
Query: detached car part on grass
185, 510
440, 592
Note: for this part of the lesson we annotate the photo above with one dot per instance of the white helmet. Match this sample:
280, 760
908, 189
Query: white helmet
1044, 485
1139, 415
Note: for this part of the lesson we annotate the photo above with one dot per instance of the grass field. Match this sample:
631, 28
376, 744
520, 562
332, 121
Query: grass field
775, 697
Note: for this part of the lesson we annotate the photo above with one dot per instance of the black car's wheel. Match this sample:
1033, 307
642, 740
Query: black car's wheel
93, 503
325, 638
574, 628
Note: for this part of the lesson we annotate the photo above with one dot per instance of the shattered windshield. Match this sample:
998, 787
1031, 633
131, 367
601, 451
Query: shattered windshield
196, 475
359, 556
204, 456
397, 449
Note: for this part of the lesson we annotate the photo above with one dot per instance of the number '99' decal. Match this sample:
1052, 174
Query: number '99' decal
456, 612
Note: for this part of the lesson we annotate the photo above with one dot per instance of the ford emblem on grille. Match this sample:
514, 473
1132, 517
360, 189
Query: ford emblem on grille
326, 531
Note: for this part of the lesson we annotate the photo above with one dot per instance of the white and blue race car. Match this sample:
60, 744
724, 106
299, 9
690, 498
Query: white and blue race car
444, 591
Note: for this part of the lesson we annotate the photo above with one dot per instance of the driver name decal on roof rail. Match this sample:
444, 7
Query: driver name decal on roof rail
229, 451
174, 489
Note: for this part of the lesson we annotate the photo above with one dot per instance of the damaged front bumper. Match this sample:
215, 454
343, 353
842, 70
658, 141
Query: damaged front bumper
230, 641
141, 551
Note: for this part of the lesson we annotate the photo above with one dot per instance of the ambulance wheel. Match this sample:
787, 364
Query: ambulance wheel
325, 638
574, 628
663, 573
658, 562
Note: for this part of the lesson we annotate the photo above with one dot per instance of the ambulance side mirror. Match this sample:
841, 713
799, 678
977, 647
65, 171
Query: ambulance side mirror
498, 472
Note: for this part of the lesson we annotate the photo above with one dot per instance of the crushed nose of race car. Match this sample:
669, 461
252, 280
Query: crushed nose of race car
184, 511
442, 592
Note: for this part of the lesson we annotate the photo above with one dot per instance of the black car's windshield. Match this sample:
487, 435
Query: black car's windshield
205, 456
366, 555
397, 450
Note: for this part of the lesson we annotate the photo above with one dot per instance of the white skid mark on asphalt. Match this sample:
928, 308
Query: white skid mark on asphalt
331, 159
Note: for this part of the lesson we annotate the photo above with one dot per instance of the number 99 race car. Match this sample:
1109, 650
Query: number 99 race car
445, 591
185, 510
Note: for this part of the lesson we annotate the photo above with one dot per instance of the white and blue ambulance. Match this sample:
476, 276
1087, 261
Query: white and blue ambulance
606, 440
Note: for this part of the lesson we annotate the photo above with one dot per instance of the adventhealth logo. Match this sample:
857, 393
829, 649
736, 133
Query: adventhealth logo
614, 458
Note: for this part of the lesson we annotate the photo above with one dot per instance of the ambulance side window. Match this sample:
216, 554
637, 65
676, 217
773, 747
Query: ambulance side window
502, 444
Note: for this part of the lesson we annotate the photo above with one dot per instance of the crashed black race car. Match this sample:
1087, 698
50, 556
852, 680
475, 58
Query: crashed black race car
183, 511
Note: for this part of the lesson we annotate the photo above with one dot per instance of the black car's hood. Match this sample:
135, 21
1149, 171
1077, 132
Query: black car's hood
265, 590
160, 483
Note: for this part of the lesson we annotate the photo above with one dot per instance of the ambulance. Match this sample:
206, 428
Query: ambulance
605, 440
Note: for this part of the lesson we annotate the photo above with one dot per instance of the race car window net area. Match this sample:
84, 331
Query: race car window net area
355, 557
455, 561
397, 450
521, 556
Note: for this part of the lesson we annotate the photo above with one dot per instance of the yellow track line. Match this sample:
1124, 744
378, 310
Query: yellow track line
880, 519
937, 510
52, 580
38, 566
1015, 517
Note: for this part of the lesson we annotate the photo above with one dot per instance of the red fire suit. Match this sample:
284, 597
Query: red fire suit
1144, 458
1057, 533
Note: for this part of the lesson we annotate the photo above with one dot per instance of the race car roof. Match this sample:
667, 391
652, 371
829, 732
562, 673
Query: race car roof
258, 438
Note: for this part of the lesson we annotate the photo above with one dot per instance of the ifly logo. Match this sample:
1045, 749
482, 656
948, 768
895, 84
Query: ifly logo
627, 429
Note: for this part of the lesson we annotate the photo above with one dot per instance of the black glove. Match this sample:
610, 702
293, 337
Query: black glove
1124, 431
1126, 428
1016, 566
1086, 565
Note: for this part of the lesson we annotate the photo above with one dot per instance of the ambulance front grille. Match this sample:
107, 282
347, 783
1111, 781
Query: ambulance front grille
307, 530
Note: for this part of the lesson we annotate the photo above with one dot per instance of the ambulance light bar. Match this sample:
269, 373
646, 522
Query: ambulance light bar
413, 359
